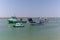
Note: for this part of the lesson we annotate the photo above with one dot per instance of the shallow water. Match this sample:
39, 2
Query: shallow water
47, 31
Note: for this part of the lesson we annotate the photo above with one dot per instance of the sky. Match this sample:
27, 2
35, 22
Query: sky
30, 8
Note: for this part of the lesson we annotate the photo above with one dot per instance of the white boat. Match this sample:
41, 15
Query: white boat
36, 21
18, 25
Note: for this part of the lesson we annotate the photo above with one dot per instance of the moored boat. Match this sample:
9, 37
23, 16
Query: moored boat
18, 25
12, 20
36, 21
22, 21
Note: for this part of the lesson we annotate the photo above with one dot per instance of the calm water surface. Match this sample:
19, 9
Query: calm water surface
47, 31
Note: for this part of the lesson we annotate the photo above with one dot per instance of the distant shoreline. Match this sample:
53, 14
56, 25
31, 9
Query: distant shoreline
27, 17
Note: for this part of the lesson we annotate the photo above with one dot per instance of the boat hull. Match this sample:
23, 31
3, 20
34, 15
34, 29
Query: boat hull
12, 21
17, 26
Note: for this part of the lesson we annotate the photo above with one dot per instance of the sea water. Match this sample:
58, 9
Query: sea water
46, 31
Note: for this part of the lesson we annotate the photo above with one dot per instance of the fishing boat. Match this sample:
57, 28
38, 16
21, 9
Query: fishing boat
12, 20
22, 21
31, 21
18, 25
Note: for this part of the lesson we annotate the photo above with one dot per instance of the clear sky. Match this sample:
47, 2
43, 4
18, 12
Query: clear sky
30, 8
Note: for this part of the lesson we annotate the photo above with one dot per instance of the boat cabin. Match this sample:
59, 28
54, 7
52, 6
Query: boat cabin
30, 20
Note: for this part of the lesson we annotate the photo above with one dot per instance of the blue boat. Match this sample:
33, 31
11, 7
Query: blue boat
31, 21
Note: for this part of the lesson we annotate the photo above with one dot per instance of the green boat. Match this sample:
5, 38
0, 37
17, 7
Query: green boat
22, 21
12, 20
